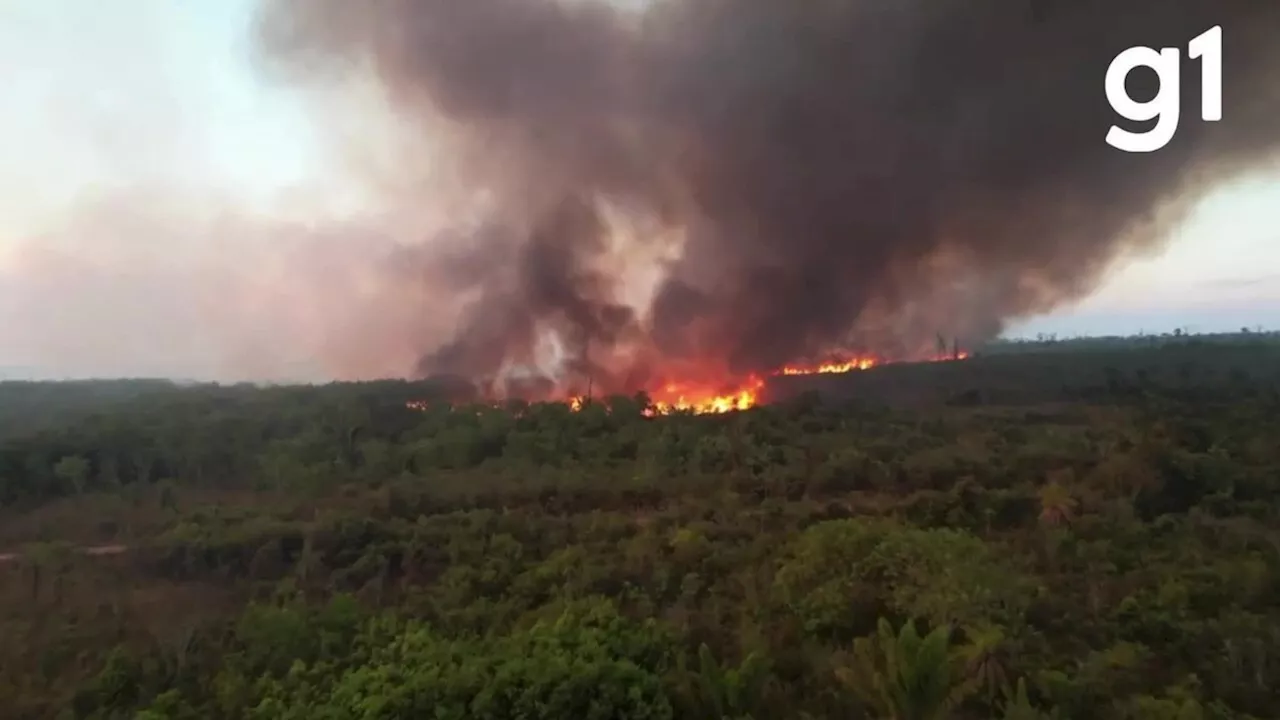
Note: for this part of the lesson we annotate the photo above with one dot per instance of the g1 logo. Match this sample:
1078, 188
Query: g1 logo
1164, 107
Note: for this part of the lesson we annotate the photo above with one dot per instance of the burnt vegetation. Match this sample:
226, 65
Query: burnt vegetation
1058, 529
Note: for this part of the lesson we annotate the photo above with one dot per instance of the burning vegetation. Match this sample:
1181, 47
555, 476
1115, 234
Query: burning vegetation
712, 398
684, 197
747, 393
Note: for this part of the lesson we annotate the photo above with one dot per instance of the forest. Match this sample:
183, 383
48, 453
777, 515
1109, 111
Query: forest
1042, 531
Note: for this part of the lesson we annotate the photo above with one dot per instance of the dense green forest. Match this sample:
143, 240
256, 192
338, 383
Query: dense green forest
1054, 534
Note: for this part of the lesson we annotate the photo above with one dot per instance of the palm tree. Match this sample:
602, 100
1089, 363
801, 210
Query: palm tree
727, 693
905, 676
1057, 506
984, 660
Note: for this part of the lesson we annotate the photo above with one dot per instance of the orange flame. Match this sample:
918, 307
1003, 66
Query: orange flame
688, 397
841, 366
703, 399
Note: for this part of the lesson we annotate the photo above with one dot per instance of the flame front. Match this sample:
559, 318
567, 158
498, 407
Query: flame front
689, 397
710, 398
838, 366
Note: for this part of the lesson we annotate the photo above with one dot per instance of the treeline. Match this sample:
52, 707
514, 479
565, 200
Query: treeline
207, 433
27, 407
1043, 342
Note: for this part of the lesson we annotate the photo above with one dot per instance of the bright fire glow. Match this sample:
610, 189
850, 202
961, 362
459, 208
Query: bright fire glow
841, 366
703, 399
689, 397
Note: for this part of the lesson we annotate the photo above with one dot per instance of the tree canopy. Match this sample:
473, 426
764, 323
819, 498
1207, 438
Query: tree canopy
1020, 535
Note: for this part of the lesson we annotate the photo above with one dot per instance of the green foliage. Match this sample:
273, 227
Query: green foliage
73, 471
1024, 535
589, 663
1017, 705
717, 692
839, 575
905, 676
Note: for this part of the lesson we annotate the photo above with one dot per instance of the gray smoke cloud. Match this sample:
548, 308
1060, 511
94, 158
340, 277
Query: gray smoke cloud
839, 173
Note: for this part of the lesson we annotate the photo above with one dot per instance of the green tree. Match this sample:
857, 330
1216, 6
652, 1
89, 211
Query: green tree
726, 693
73, 470
906, 676
1057, 506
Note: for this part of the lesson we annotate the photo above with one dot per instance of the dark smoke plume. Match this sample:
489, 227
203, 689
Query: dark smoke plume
842, 173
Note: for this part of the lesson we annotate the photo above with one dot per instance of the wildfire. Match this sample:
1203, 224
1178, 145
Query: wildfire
675, 397
702, 399
842, 366
686, 397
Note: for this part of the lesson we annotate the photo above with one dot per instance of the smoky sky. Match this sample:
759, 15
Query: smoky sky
841, 174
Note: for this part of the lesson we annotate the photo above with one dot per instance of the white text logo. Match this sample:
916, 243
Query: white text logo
1164, 107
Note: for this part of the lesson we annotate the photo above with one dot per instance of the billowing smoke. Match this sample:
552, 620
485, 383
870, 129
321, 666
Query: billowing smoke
805, 176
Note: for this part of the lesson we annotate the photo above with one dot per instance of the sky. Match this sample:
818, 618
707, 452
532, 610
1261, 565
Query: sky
145, 163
